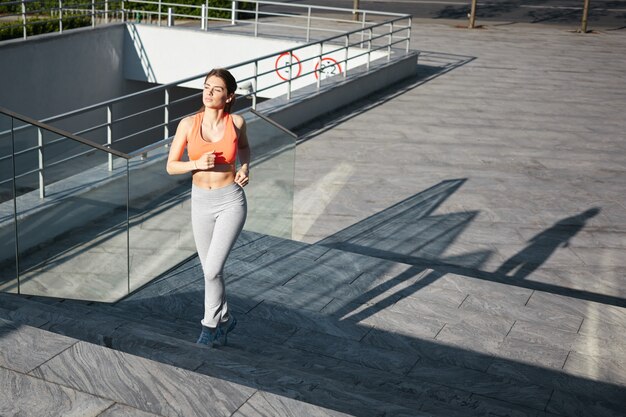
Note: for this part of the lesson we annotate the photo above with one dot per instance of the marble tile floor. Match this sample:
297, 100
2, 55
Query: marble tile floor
292, 349
394, 301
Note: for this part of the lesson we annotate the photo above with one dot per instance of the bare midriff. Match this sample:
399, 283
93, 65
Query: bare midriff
217, 177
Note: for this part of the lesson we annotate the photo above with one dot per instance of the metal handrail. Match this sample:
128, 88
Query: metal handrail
62, 132
342, 41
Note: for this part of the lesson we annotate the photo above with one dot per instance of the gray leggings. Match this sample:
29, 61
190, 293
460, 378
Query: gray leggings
217, 217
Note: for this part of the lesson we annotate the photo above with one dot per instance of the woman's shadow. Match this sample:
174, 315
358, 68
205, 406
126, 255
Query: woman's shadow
541, 246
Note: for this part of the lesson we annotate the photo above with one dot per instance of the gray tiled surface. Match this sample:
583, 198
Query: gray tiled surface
407, 305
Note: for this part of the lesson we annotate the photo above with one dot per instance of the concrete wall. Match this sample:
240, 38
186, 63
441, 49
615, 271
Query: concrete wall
164, 55
56, 73
308, 103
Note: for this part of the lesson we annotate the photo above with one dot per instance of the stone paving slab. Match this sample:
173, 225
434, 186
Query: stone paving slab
506, 134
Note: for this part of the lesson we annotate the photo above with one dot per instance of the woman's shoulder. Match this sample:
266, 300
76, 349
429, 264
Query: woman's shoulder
187, 122
238, 121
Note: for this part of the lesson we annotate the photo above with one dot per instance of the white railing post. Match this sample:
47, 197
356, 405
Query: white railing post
408, 36
289, 72
123, 12
256, 20
93, 13
233, 12
255, 83
390, 41
308, 24
170, 17
42, 185
110, 133
166, 114
24, 18
159, 12
207, 15
363, 29
345, 66
60, 16
369, 49
203, 18
106, 11
319, 66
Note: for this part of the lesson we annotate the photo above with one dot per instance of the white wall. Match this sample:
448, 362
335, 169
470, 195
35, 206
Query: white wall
164, 55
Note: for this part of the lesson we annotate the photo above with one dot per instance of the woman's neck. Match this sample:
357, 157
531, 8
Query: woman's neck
212, 117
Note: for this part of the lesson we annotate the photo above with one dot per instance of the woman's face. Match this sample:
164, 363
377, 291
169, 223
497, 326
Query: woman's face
215, 95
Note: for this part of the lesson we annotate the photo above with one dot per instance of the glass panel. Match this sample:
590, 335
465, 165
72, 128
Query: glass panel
8, 266
160, 233
73, 243
270, 193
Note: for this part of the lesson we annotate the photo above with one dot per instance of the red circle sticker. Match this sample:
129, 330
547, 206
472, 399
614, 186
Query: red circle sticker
327, 67
282, 66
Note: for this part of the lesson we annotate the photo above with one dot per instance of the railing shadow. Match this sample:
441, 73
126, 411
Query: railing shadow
307, 330
326, 316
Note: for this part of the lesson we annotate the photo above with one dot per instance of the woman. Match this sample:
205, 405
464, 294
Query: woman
213, 137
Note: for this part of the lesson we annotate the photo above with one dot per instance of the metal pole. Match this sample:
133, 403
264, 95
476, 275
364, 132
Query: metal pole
308, 24
17, 247
110, 133
583, 26
289, 82
24, 18
472, 15
123, 12
255, 83
319, 68
355, 6
93, 14
369, 49
42, 184
170, 18
60, 16
206, 24
345, 64
106, 12
390, 41
362, 30
256, 20
233, 12
203, 18
166, 109
408, 36
159, 12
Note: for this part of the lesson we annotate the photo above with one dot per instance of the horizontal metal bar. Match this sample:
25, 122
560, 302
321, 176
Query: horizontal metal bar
151, 147
69, 158
61, 132
123, 138
273, 123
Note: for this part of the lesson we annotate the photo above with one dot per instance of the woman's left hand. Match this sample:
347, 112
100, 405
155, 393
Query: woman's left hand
241, 177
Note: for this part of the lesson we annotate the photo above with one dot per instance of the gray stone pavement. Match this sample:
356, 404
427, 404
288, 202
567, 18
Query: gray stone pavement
468, 260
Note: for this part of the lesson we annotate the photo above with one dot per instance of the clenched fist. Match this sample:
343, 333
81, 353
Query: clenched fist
206, 161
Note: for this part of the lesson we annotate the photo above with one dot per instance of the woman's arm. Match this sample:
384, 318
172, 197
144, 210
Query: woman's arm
242, 175
174, 164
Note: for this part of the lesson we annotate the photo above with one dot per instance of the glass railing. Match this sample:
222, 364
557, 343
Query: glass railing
110, 222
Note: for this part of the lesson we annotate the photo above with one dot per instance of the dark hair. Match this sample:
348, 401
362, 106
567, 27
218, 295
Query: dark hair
229, 80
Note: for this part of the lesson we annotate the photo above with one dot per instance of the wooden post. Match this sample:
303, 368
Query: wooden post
472, 16
583, 26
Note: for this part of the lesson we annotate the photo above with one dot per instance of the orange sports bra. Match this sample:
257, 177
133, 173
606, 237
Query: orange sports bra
225, 149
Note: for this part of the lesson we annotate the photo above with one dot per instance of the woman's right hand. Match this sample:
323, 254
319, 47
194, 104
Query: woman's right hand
206, 161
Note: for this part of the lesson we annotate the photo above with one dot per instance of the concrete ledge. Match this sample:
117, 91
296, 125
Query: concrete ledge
306, 104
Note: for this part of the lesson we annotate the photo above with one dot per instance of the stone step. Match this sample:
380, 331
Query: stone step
225, 363
283, 362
